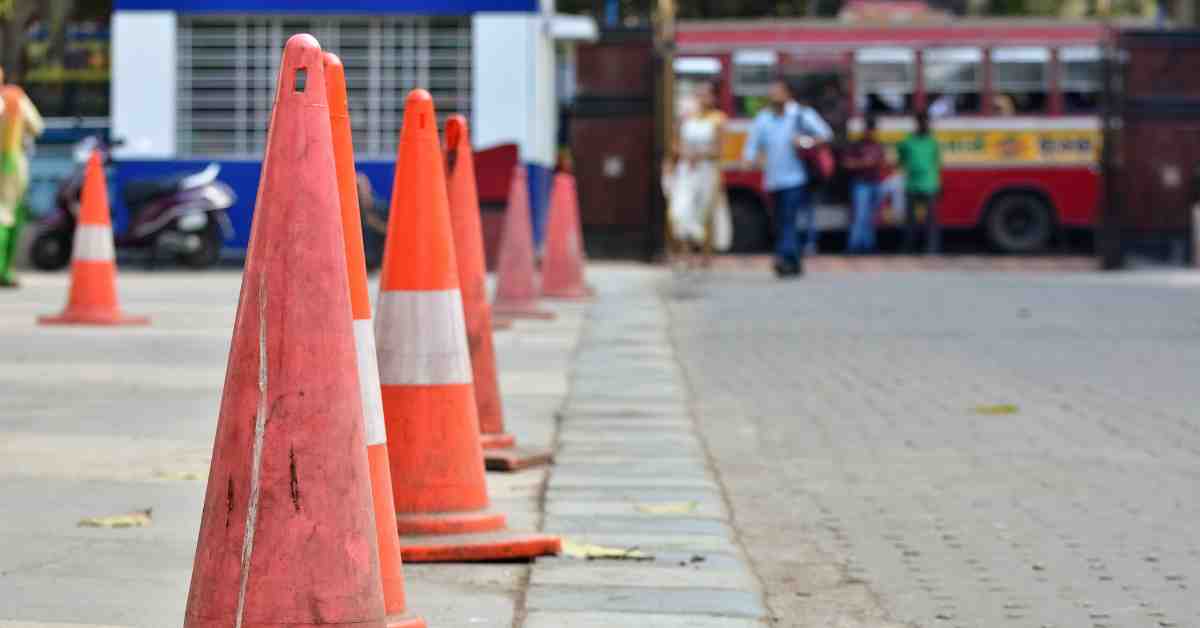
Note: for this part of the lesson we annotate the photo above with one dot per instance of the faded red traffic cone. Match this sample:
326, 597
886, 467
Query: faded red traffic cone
390, 563
93, 296
498, 446
425, 370
562, 268
516, 278
287, 537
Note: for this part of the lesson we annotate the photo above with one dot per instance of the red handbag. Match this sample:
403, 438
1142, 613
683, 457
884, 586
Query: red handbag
818, 158
818, 161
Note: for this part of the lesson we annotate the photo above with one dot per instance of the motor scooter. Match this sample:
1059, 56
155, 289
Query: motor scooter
185, 215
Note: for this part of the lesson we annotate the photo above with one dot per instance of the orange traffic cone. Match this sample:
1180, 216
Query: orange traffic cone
562, 270
425, 370
93, 296
390, 564
287, 537
498, 451
516, 279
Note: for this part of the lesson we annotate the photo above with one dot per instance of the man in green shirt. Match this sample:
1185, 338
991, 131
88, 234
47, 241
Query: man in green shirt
921, 160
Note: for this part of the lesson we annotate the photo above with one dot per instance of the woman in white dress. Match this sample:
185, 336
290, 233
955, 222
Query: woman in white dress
698, 209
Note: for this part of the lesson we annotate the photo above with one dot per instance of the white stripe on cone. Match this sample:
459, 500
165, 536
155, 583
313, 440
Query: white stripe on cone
422, 338
93, 243
368, 381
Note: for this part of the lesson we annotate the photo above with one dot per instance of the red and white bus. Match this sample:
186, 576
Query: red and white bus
1015, 106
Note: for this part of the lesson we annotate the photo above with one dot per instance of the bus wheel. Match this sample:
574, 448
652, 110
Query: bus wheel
1019, 223
751, 225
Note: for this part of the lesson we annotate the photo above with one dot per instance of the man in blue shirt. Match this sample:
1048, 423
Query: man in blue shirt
776, 134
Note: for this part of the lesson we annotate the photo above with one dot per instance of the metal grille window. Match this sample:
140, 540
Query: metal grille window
1021, 79
1080, 79
954, 80
753, 71
228, 67
886, 79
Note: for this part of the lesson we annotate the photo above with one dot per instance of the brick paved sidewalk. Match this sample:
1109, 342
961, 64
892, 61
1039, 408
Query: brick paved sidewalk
632, 473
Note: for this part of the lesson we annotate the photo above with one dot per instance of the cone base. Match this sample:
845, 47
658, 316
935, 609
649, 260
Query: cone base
574, 293
522, 310
93, 318
515, 458
405, 621
500, 440
448, 523
497, 546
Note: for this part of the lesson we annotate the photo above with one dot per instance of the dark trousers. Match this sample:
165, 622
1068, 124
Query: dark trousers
933, 232
789, 202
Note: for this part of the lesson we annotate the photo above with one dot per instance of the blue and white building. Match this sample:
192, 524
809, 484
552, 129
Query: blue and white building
193, 80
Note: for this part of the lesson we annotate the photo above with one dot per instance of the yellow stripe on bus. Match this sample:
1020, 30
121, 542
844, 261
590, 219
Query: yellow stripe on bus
979, 146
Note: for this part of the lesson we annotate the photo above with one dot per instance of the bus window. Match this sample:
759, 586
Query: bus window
753, 71
1020, 79
884, 80
1080, 79
953, 80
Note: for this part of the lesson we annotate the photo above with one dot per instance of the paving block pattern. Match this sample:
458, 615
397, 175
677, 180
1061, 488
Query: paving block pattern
632, 474
956, 450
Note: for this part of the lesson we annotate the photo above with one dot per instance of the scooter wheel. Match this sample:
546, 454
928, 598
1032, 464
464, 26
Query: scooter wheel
209, 252
51, 250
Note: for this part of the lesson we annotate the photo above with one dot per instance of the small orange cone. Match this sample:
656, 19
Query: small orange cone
516, 279
425, 370
93, 296
562, 270
390, 564
498, 451
287, 537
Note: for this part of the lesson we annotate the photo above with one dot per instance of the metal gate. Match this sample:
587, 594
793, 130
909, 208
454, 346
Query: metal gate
613, 131
1152, 146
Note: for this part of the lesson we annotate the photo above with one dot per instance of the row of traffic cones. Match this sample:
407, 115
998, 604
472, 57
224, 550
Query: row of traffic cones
299, 527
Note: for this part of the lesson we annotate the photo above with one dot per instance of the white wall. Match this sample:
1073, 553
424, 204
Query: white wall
143, 83
513, 85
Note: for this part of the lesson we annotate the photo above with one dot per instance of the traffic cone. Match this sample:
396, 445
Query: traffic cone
92, 299
287, 537
390, 564
425, 371
498, 451
562, 270
516, 279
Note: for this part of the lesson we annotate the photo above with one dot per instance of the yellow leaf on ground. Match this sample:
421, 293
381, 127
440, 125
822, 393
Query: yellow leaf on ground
668, 508
594, 552
1001, 408
135, 519
178, 475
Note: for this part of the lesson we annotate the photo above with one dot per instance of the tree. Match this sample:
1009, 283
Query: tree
16, 16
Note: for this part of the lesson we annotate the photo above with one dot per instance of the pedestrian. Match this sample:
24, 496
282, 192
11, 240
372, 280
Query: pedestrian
699, 209
921, 160
866, 161
19, 124
778, 133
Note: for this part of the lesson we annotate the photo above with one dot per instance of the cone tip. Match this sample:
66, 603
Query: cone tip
420, 118
335, 85
300, 43
418, 96
456, 132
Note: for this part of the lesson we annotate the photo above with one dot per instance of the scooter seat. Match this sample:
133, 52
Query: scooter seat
139, 191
